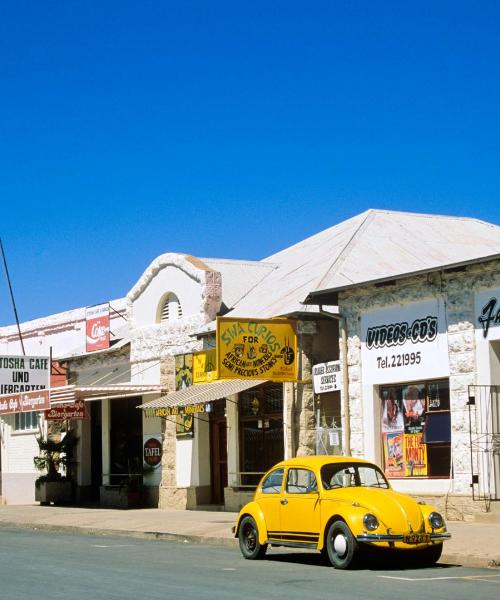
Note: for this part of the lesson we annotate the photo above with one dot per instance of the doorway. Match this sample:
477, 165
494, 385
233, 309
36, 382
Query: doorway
218, 452
95, 449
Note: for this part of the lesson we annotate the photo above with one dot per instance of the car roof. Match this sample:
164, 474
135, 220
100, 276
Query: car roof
318, 461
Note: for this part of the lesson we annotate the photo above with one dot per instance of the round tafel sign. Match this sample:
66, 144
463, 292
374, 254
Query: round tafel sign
152, 452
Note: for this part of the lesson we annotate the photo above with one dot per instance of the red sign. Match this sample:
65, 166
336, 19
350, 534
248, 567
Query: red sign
25, 402
66, 411
97, 327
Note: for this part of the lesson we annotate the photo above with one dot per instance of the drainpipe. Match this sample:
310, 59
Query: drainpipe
345, 388
345, 378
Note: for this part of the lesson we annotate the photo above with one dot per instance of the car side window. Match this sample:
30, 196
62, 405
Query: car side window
301, 481
272, 483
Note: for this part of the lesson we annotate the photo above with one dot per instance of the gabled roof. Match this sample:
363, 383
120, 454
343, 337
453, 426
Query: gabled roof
372, 246
389, 245
238, 276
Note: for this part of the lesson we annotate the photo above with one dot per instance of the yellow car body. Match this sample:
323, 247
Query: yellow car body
338, 505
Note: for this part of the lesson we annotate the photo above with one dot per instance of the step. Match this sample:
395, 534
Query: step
492, 516
211, 507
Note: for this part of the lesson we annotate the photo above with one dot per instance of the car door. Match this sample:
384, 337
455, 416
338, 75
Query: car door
269, 496
300, 508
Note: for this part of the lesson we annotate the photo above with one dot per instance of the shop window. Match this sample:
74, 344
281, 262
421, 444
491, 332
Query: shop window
260, 431
416, 429
26, 421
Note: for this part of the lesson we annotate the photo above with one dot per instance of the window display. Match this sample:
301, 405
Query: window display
416, 429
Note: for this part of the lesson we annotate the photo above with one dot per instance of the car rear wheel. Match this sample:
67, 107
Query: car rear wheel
341, 547
248, 537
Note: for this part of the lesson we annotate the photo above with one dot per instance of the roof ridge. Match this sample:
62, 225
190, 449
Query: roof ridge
369, 216
427, 215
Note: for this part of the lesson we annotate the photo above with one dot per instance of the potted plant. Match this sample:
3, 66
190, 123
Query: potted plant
54, 461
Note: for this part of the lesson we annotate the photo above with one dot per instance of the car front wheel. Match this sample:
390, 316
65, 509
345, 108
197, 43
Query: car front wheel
248, 536
341, 547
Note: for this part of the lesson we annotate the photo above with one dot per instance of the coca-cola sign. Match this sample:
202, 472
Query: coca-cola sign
97, 327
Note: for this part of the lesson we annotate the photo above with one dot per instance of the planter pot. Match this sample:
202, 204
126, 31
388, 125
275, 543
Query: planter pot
55, 492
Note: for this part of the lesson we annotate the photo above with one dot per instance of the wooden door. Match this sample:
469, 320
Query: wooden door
218, 458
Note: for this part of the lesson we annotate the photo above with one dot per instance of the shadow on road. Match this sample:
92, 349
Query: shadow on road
372, 561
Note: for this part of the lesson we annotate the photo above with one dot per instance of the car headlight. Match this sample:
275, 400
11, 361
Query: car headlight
436, 520
370, 522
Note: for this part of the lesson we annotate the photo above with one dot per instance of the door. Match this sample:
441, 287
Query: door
300, 508
218, 458
95, 449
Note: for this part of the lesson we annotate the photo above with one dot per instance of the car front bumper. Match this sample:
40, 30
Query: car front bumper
391, 537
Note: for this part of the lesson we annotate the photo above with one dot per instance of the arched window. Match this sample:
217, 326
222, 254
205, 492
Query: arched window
170, 309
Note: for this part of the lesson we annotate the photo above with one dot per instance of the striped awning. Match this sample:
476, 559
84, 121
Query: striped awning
71, 393
203, 392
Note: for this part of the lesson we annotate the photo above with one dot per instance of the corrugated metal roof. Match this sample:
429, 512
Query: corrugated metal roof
372, 245
70, 393
81, 353
203, 392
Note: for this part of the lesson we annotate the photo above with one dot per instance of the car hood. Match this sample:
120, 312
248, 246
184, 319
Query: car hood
397, 512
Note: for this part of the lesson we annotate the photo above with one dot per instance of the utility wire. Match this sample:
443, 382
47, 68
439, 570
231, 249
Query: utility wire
12, 296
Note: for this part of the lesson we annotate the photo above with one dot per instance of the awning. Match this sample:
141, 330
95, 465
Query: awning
203, 392
71, 393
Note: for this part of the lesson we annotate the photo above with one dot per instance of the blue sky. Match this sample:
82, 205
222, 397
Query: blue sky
233, 129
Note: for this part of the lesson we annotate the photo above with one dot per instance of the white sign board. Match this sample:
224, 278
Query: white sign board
404, 343
487, 314
327, 377
23, 373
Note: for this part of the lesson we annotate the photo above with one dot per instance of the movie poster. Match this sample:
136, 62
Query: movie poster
392, 409
414, 408
415, 455
393, 454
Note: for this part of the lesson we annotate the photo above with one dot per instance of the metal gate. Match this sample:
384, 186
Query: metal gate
484, 428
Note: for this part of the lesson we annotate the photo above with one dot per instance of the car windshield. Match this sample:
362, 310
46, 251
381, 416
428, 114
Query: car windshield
337, 475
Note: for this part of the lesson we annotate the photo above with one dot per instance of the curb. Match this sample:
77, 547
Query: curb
144, 535
478, 562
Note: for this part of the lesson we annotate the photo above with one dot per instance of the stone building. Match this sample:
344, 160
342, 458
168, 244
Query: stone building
422, 324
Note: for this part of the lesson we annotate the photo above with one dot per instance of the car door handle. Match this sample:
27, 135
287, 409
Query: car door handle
284, 501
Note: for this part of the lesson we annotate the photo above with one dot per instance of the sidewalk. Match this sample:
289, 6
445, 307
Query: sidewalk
472, 544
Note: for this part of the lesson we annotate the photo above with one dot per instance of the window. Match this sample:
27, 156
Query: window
416, 429
260, 431
170, 309
301, 481
26, 421
272, 483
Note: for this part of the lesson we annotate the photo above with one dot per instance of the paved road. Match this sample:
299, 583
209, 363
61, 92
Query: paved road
56, 565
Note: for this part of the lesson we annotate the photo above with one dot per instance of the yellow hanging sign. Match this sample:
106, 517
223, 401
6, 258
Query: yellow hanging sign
256, 349
204, 366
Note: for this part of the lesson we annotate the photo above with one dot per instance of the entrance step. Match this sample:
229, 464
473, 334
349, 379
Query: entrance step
211, 507
493, 516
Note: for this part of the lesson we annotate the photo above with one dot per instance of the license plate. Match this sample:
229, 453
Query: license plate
417, 538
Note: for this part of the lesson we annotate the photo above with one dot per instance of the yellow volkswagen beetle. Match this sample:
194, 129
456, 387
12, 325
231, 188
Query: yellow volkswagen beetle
337, 505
